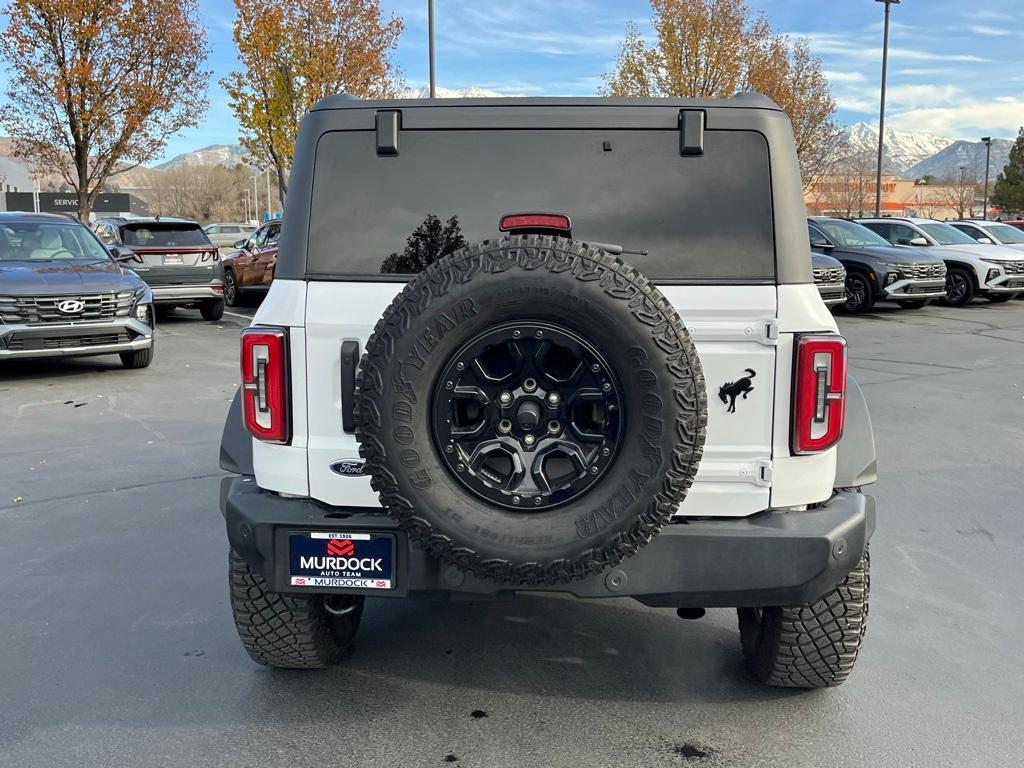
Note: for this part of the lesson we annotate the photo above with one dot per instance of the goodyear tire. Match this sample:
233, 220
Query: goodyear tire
602, 382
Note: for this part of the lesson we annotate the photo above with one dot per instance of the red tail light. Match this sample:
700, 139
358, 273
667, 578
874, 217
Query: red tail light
265, 402
534, 221
819, 400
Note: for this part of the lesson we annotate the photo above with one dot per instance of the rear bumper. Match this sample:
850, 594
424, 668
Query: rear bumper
182, 294
74, 339
773, 558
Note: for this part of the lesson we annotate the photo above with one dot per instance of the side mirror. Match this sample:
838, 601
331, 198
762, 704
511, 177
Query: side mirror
985, 241
239, 245
918, 241
823, 244
122, 254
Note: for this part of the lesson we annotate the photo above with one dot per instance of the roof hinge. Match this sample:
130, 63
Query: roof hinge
691, 132
770, 336
389, 123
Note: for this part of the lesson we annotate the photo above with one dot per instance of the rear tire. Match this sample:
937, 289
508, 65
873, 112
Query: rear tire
290, 631
959, 287
916, 304
809, 646
860, 296
140, 358
212, 310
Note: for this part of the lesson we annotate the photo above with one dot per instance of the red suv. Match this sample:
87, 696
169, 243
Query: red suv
251, 267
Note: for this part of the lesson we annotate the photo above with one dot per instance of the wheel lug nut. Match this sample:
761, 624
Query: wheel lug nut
537, 500
449, 448
554, 427
529, 440
529, 385
516, 334
515, 499
595, 368
606, 451
606, 387
539, 334
460, 366
554, 398
593, 470
460, 466
505, 398
505, 426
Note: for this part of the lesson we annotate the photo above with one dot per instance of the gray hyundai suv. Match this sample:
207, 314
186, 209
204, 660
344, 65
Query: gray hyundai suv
875, 269
62, 294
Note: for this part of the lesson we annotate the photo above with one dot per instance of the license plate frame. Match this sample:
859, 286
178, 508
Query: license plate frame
327, 556
173, 260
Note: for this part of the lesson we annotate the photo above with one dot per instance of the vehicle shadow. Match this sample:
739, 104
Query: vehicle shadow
56, 368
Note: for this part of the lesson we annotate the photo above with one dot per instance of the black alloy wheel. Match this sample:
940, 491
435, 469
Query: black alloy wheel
527, 415
230, 288
959, 288
859, 296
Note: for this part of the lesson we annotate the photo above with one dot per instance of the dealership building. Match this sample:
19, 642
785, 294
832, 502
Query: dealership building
106, 204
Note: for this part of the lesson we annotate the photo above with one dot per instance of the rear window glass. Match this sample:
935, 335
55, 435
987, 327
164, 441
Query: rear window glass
695, 217
163, 235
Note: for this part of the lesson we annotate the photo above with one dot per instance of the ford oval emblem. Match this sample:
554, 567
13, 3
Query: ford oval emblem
349, 467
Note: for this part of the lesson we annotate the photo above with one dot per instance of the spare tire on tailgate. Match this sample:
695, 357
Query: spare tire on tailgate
531, 409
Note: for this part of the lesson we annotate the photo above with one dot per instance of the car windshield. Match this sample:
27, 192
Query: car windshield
154, 235
944, 234
49, 241
1006, 234
850, 233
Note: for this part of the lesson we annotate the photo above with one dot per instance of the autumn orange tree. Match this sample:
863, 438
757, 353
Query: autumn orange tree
714, 48
98, 86
295, 52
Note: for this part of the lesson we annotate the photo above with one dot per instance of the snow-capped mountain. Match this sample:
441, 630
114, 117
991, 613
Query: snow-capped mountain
903, 149
969, 154
472, 92
228, 155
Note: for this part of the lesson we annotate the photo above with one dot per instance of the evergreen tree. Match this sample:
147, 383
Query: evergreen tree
429, 242
1008, 194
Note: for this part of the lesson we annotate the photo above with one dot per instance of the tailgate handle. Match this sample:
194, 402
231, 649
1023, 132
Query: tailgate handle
691, 132
349, 361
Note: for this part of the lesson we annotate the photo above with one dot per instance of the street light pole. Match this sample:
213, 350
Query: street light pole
881, 110
988, 158
430, 35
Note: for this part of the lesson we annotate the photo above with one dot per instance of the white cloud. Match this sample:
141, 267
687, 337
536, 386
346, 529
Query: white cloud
845, 77
1001, 116
987, 31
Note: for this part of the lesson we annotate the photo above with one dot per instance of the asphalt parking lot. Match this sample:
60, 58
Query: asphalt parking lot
117, 647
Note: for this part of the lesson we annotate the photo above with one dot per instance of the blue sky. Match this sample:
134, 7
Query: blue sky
956, 67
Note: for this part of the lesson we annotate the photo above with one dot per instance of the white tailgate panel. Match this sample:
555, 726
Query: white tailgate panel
337, 312
730, 325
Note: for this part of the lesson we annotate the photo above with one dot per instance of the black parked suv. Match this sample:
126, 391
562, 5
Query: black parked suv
502, 337
175, 258
875, 269
63, 294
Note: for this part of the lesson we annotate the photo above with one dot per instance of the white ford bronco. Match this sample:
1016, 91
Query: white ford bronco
527, 345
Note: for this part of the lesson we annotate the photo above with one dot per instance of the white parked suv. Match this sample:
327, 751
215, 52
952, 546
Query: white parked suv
525, 345
991, 233
972, 268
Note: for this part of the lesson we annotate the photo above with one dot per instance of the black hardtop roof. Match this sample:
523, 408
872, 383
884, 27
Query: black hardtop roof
742, 100
148, 220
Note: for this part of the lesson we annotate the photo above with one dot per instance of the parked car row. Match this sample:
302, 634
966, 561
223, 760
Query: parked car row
914, 261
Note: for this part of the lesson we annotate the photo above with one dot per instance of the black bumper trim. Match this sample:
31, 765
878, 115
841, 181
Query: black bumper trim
773, 558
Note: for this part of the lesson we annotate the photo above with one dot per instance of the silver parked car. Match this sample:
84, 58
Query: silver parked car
224, 236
